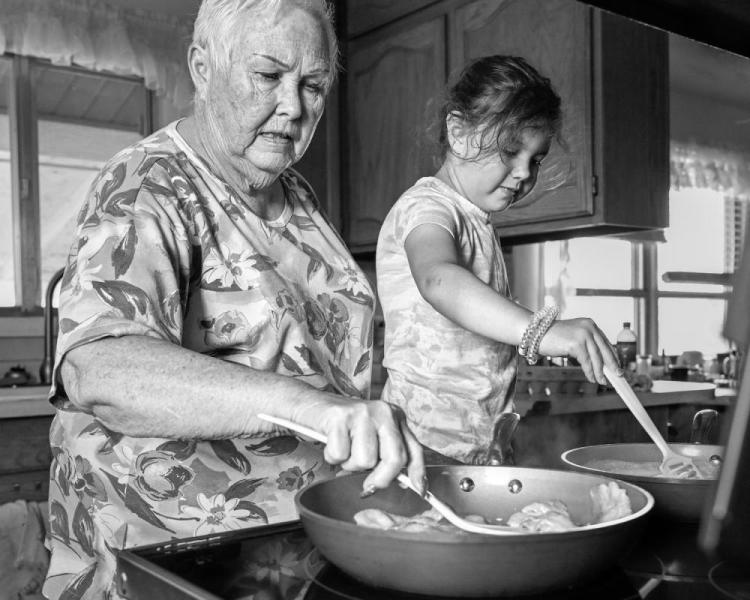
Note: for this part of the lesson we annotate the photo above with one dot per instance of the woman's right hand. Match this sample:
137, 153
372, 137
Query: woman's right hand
581, 339
369, 434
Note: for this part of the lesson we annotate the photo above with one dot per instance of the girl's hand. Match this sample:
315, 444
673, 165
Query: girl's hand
365, 435
583, 340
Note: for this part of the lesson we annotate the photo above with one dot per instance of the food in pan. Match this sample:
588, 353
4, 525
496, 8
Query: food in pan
707, 469
429, 520
609, 502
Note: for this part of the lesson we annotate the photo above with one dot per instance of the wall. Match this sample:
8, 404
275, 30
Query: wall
701, 119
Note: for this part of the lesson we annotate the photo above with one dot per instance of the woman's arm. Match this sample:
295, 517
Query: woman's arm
145, 387
459, 295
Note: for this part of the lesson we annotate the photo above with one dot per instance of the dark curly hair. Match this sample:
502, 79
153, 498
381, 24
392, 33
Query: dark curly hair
499, 96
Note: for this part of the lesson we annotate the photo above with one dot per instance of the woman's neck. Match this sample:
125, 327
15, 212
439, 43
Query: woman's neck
267, 202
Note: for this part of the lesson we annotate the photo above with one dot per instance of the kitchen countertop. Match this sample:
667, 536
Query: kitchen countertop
32, 400
25, 401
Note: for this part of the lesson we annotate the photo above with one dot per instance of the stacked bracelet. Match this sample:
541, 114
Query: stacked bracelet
540, 323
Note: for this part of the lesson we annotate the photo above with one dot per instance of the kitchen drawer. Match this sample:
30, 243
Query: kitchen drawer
24, 485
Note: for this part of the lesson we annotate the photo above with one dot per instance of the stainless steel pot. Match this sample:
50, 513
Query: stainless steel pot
680, 499
470, 565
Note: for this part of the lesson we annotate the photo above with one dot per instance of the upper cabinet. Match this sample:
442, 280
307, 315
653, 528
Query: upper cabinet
612, 175
612, 76
390, 80
366, 15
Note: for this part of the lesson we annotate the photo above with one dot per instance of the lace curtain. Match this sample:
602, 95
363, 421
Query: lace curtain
696, 166
98, 36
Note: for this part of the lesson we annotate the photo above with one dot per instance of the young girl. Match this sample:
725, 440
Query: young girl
452, 332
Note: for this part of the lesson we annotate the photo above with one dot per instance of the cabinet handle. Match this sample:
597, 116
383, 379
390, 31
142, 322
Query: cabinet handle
16, 487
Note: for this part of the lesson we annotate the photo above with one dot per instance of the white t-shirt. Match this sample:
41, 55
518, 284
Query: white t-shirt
451, 383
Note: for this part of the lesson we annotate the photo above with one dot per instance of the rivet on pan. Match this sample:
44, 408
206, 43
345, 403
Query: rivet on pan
715, 459
515, 486
466, 484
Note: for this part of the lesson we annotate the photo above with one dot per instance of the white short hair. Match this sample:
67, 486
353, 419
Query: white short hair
214, 26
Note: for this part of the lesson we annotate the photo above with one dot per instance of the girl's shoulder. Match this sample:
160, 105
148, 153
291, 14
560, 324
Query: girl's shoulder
427, 190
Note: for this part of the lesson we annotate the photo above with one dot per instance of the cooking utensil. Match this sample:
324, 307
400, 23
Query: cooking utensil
672, 464
467, 565
436, 503
675, 499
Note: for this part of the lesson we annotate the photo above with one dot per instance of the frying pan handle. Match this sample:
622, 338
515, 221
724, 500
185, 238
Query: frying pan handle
703, 422
501, 448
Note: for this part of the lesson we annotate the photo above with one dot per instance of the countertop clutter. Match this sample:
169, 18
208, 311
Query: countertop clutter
565, 390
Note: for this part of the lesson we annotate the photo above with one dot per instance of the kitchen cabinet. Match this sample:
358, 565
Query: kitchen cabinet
363, 16
24, 458
25, 418
612, 74
390, 78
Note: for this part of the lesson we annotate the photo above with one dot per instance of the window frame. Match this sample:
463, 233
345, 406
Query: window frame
646, 294
24, 161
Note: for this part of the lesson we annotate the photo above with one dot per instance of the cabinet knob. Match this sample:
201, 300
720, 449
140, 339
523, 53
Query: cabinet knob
16, 487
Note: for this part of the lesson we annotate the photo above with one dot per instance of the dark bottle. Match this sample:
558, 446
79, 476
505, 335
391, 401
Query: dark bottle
626, 346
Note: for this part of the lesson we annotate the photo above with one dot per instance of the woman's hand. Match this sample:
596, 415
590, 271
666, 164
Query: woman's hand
366, 435
583, 340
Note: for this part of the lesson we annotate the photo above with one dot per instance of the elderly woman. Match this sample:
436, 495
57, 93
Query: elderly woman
205, 286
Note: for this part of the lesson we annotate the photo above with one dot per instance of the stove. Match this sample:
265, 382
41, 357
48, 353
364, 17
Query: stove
278, 562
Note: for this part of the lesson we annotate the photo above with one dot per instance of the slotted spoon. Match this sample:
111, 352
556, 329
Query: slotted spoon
672, 464
435, 502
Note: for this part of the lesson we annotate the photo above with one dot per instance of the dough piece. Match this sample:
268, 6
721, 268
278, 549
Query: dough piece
610, 502
543, 516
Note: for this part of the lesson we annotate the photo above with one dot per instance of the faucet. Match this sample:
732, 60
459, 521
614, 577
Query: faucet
45, 371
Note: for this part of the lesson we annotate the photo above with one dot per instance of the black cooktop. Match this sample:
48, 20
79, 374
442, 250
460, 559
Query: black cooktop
278, 562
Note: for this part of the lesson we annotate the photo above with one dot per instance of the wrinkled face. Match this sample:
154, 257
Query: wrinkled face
261, 114
496, 181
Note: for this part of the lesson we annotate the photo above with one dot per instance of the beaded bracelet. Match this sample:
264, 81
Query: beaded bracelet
528, 333
540, 323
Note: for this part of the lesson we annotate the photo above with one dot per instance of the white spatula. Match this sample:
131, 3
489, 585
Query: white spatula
672, 464
437, 504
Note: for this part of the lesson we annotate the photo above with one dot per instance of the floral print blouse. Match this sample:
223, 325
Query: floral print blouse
165, 249
453, 384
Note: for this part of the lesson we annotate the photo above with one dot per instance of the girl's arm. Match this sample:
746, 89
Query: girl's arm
459, 295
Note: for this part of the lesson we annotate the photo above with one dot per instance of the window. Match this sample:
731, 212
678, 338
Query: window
58, 126
674, 290
7, 272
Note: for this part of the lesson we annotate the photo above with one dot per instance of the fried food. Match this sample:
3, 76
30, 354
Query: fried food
543, 516
609, 502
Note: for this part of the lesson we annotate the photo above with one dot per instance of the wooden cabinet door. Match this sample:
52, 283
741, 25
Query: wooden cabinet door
365, 15
552, 36
391, 78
